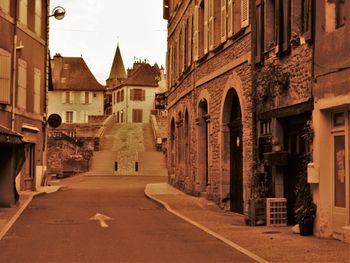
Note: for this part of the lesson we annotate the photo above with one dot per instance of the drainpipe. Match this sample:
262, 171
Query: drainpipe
14, 67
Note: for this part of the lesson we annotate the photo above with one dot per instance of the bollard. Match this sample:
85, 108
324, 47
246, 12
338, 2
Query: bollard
136, 166
115, 166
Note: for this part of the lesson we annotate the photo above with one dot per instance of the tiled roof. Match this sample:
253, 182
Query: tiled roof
117, 70
142, 74
72, 73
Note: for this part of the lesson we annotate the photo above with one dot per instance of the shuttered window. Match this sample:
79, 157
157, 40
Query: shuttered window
122, 95
259, 32
244, 13
306, 18
189, 41
22, 84
5, 6
270, 28
5, 79
230, 17
206, 27
223, 21
38, 16
196, 33
286, 24
137, 95
69, 116
23, 11
37, 90
137, 115
211, 24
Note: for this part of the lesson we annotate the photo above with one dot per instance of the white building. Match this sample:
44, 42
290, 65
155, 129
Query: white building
75, 94
133, 94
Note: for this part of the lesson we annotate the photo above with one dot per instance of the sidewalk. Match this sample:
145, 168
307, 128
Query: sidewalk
8, 216
264, 244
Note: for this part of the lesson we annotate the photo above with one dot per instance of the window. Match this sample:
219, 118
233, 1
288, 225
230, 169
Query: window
5, 72
306, 18
118, 96
69, 116
137, 95
23, 11
67, 97
22, 84
335, 14
37, 90
84, 116
86, 97
5, 6
38, 15
189, 40
137, 115
273, 26
122, 95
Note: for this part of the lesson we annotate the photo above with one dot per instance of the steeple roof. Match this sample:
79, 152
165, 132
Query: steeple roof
117, 70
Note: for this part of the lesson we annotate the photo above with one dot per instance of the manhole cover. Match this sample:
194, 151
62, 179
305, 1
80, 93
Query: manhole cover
271, 232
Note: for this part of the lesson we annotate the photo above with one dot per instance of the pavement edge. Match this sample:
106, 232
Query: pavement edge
205, 229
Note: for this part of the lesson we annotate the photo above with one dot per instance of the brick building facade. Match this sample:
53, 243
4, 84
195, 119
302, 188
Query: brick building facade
210, 105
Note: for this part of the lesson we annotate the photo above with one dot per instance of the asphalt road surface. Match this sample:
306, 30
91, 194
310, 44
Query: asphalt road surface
59, 228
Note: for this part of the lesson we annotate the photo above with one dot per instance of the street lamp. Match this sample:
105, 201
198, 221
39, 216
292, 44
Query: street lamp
58, 12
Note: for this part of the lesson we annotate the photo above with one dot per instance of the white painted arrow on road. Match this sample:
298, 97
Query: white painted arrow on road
102, 219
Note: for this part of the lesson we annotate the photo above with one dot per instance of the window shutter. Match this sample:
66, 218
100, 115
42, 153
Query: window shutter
5, 71
286, 26
259, 32
71, 97
189, 48
223, 21
122, 95
132, 91
74, 116
63, 116
244, 13
90, 97
229, 17
22, 84
308, 13
196, 33
37, 89
5, 6
82, 116
211, 25
63, 97
206, 26
82, 97
143, 92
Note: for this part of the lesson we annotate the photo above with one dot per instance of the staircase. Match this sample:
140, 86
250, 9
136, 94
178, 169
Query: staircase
122, 146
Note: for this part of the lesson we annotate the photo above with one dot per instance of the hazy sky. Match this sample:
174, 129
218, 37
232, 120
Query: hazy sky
92, 28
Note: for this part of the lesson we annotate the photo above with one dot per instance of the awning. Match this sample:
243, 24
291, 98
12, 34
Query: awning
10, 137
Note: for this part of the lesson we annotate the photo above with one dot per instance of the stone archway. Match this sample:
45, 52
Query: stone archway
232, 145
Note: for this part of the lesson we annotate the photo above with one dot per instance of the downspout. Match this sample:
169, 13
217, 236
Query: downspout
14, 67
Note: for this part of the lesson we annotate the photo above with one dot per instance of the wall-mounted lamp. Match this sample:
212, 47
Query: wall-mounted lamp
58, 12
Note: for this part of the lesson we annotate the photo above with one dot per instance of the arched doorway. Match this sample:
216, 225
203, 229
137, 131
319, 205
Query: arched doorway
232, 117
172, 146
203, 119
187, 144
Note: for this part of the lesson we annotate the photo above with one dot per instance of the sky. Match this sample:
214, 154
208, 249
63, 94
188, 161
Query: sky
93, 28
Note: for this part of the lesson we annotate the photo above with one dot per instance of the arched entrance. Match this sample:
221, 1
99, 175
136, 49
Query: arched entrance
232, 117
203, 119
187, 144
172, 146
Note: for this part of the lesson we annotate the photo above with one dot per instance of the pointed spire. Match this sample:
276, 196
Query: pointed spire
117, 70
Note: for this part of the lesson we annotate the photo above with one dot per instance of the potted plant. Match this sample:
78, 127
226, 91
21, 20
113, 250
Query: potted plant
305, 208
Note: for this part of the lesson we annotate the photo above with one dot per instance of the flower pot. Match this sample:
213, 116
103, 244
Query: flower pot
306, 229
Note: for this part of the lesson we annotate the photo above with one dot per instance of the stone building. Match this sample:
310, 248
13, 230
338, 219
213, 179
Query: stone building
210, 99
23, 64
134, 93
75, 94
282, 64
331, 120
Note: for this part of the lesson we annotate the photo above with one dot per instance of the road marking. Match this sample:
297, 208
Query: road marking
102, 219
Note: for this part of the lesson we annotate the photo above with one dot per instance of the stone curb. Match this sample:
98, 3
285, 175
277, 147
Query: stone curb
205, 229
